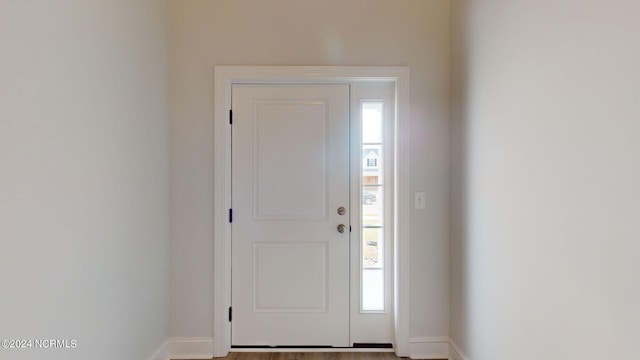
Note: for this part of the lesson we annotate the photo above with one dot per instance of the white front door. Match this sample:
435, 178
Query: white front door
290, 177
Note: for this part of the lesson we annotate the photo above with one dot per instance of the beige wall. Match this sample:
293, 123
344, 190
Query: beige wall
546, 202
84, 164
293, 32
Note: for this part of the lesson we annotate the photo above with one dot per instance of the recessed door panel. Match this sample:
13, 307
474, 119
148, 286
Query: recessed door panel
278, 289
290, 179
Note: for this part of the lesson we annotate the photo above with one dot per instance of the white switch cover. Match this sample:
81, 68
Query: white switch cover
419, 200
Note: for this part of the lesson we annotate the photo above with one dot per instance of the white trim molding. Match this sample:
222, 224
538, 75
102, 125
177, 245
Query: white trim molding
191, 348
455, 353
433, 347
225, 76
161, 353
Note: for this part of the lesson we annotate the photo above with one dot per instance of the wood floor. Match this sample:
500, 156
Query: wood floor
311, 356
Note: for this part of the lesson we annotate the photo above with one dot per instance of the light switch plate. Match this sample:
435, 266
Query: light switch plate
419, 201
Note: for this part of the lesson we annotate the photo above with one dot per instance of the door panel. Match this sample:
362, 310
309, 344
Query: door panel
290, 152
274, 261
290, 174
372, 213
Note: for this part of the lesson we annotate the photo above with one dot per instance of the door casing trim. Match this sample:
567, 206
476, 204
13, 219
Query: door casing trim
224, 78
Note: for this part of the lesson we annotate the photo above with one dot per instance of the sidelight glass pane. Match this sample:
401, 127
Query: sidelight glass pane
372, 271
372, 245
373, 290
372, 206
372, 165
372, 122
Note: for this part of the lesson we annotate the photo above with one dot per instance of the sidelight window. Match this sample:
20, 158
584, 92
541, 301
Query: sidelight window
372, 206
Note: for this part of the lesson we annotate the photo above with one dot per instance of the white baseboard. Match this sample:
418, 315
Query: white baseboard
434, 347
455, 353
161, 353
191, 348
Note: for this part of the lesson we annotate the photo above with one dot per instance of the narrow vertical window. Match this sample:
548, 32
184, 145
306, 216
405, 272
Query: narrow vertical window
373, 222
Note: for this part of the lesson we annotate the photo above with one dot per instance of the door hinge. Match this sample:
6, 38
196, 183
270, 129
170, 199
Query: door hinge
230, 215
230, 117
230, 313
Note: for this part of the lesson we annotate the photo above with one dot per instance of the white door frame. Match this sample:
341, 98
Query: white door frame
225, 76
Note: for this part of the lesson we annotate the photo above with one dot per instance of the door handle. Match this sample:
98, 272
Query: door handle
342, 228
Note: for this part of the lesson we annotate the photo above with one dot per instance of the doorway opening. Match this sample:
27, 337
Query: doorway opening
379, 175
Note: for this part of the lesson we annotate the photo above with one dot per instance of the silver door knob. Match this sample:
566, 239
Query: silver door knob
342, 228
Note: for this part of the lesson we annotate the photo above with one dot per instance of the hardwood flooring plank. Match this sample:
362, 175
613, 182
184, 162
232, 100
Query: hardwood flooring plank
310, 356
